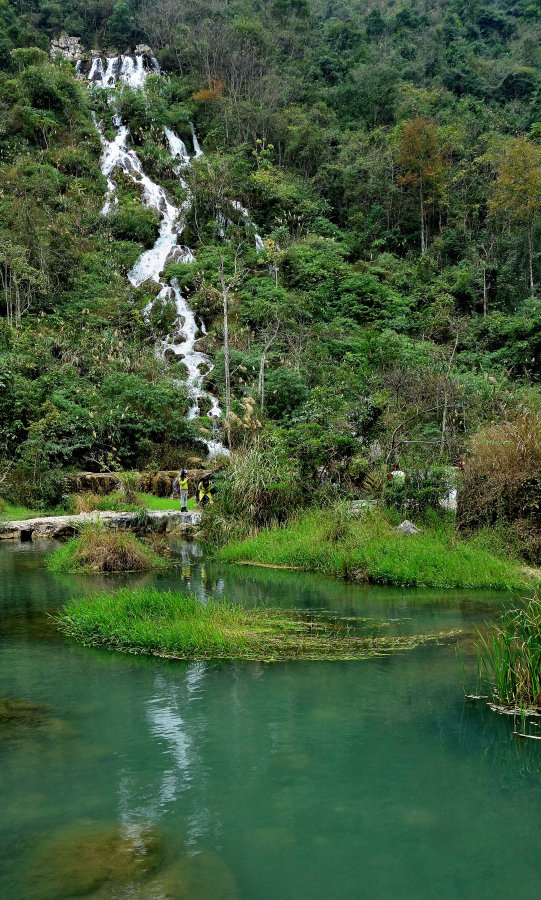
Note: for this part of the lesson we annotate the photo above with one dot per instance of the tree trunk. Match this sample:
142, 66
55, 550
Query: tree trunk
421, 197
261, 381
485, 295
530, 256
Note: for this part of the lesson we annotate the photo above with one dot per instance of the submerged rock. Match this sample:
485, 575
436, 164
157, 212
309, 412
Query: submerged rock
141, 861
203, 876
21, 712
96, 859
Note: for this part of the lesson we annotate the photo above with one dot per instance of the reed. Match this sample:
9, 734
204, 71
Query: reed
509, 658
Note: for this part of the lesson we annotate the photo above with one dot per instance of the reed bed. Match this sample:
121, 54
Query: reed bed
179, 626
509, 659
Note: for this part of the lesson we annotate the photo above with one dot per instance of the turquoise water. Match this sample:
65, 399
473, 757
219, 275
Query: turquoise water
330, 780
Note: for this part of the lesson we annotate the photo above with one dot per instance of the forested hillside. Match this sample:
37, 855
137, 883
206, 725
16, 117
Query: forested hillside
389, 155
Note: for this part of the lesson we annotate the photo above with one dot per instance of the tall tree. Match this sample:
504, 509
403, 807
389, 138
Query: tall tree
516, 191
424, 163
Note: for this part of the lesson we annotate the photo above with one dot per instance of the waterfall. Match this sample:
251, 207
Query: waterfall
150, 265
177, 148
196, 148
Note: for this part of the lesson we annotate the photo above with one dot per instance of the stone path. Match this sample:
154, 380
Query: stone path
66, 526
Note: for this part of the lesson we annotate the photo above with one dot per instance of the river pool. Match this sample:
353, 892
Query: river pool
328, 780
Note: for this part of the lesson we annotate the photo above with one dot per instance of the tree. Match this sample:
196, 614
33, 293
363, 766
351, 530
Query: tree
516, 191
424, 163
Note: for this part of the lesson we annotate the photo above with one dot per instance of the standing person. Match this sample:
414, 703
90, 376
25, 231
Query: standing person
183, 490
396, 474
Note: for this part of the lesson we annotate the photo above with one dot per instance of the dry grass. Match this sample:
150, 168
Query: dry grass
99, 550
501, 480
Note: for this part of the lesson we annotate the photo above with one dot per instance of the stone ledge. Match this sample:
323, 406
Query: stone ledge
67, 526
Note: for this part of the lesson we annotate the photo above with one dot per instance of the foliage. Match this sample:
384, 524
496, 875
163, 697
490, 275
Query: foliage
421, 490
509, 658
501, 480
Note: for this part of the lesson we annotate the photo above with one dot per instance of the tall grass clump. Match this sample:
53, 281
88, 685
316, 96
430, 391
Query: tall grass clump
98, 549
179, 626
509, 658
260, 487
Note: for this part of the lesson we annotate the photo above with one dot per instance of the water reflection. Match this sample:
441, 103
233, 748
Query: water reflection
320, 780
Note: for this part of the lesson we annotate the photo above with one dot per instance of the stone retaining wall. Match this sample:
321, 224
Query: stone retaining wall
66, 526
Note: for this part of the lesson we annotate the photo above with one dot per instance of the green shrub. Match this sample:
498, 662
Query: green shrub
419, 491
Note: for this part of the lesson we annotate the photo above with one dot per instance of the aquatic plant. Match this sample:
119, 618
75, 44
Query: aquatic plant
174, 625
509, 657
98, 549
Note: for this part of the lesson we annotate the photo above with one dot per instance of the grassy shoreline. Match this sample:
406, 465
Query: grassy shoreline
178, 626
368, 549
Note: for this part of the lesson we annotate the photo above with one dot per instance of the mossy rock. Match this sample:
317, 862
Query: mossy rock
98, 859
142, 861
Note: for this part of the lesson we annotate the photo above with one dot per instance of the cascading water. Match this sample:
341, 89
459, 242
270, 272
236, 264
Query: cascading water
128, 70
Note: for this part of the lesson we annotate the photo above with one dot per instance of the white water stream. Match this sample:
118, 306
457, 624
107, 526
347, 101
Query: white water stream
149, 266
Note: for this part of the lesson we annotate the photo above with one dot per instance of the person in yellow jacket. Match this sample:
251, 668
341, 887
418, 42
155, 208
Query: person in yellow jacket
205, 492
182, 487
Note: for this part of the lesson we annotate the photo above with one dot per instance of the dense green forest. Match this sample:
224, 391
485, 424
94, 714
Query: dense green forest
389, 155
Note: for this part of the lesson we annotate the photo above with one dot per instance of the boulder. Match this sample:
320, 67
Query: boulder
144, 49
407, 527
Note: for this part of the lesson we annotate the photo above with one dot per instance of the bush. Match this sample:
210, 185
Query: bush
421, 490
285, 392
501, 480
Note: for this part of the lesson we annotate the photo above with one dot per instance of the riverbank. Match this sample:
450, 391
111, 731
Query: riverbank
178, 626
367, 548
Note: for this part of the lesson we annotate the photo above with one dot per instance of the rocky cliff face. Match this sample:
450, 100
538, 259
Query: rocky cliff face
68, 47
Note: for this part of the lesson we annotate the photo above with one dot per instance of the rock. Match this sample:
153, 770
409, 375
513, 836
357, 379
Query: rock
407, 527
10, 533
68, 47
100, 859
144, 49
357, 506
179, 254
